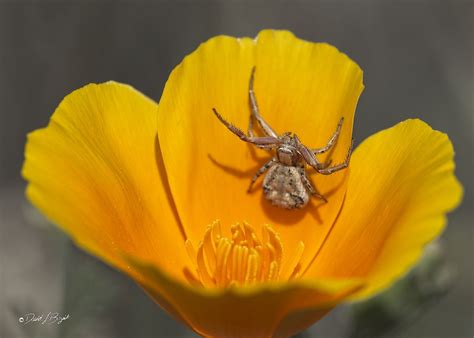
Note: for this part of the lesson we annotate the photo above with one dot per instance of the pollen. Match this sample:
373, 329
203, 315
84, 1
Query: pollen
242, 258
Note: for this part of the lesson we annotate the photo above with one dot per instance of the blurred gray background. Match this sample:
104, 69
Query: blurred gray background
417, 58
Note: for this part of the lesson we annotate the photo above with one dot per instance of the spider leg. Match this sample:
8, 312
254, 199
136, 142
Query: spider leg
252, 103
308, 155
255, 113
260, 171
310, 187
345, 164
326, 164
331, 141
267, 142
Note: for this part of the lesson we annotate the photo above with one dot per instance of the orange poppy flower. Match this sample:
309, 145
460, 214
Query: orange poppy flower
159, 191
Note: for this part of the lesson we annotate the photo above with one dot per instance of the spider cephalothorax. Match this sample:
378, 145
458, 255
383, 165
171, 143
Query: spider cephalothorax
286, 184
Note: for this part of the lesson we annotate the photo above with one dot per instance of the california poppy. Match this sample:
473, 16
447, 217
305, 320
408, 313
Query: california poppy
159, 191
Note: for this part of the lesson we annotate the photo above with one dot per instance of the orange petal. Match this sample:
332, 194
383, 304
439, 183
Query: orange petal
401, 185
300, 86
265, 310
93, 172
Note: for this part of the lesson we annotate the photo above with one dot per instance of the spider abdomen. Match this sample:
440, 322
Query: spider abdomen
283, 186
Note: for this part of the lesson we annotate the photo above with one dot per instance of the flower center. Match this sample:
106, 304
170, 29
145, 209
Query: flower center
242, 258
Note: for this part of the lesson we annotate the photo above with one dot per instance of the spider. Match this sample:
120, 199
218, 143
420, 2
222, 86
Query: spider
286, 183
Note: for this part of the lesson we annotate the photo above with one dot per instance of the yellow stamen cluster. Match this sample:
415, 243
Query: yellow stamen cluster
243, 258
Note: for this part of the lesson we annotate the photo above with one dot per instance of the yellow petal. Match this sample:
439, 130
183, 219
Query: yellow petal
401, 185
93, 172
266, 310
301, 87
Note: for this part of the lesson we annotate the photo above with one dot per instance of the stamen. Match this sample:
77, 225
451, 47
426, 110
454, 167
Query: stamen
209, 250
190, 250
243, 258
202, 269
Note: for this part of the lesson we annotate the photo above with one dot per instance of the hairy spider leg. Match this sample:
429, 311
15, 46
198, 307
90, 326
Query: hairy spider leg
307, 154
268, 142
255, 113
252, 103
260, 171
331, 141
310, 186
345, 164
